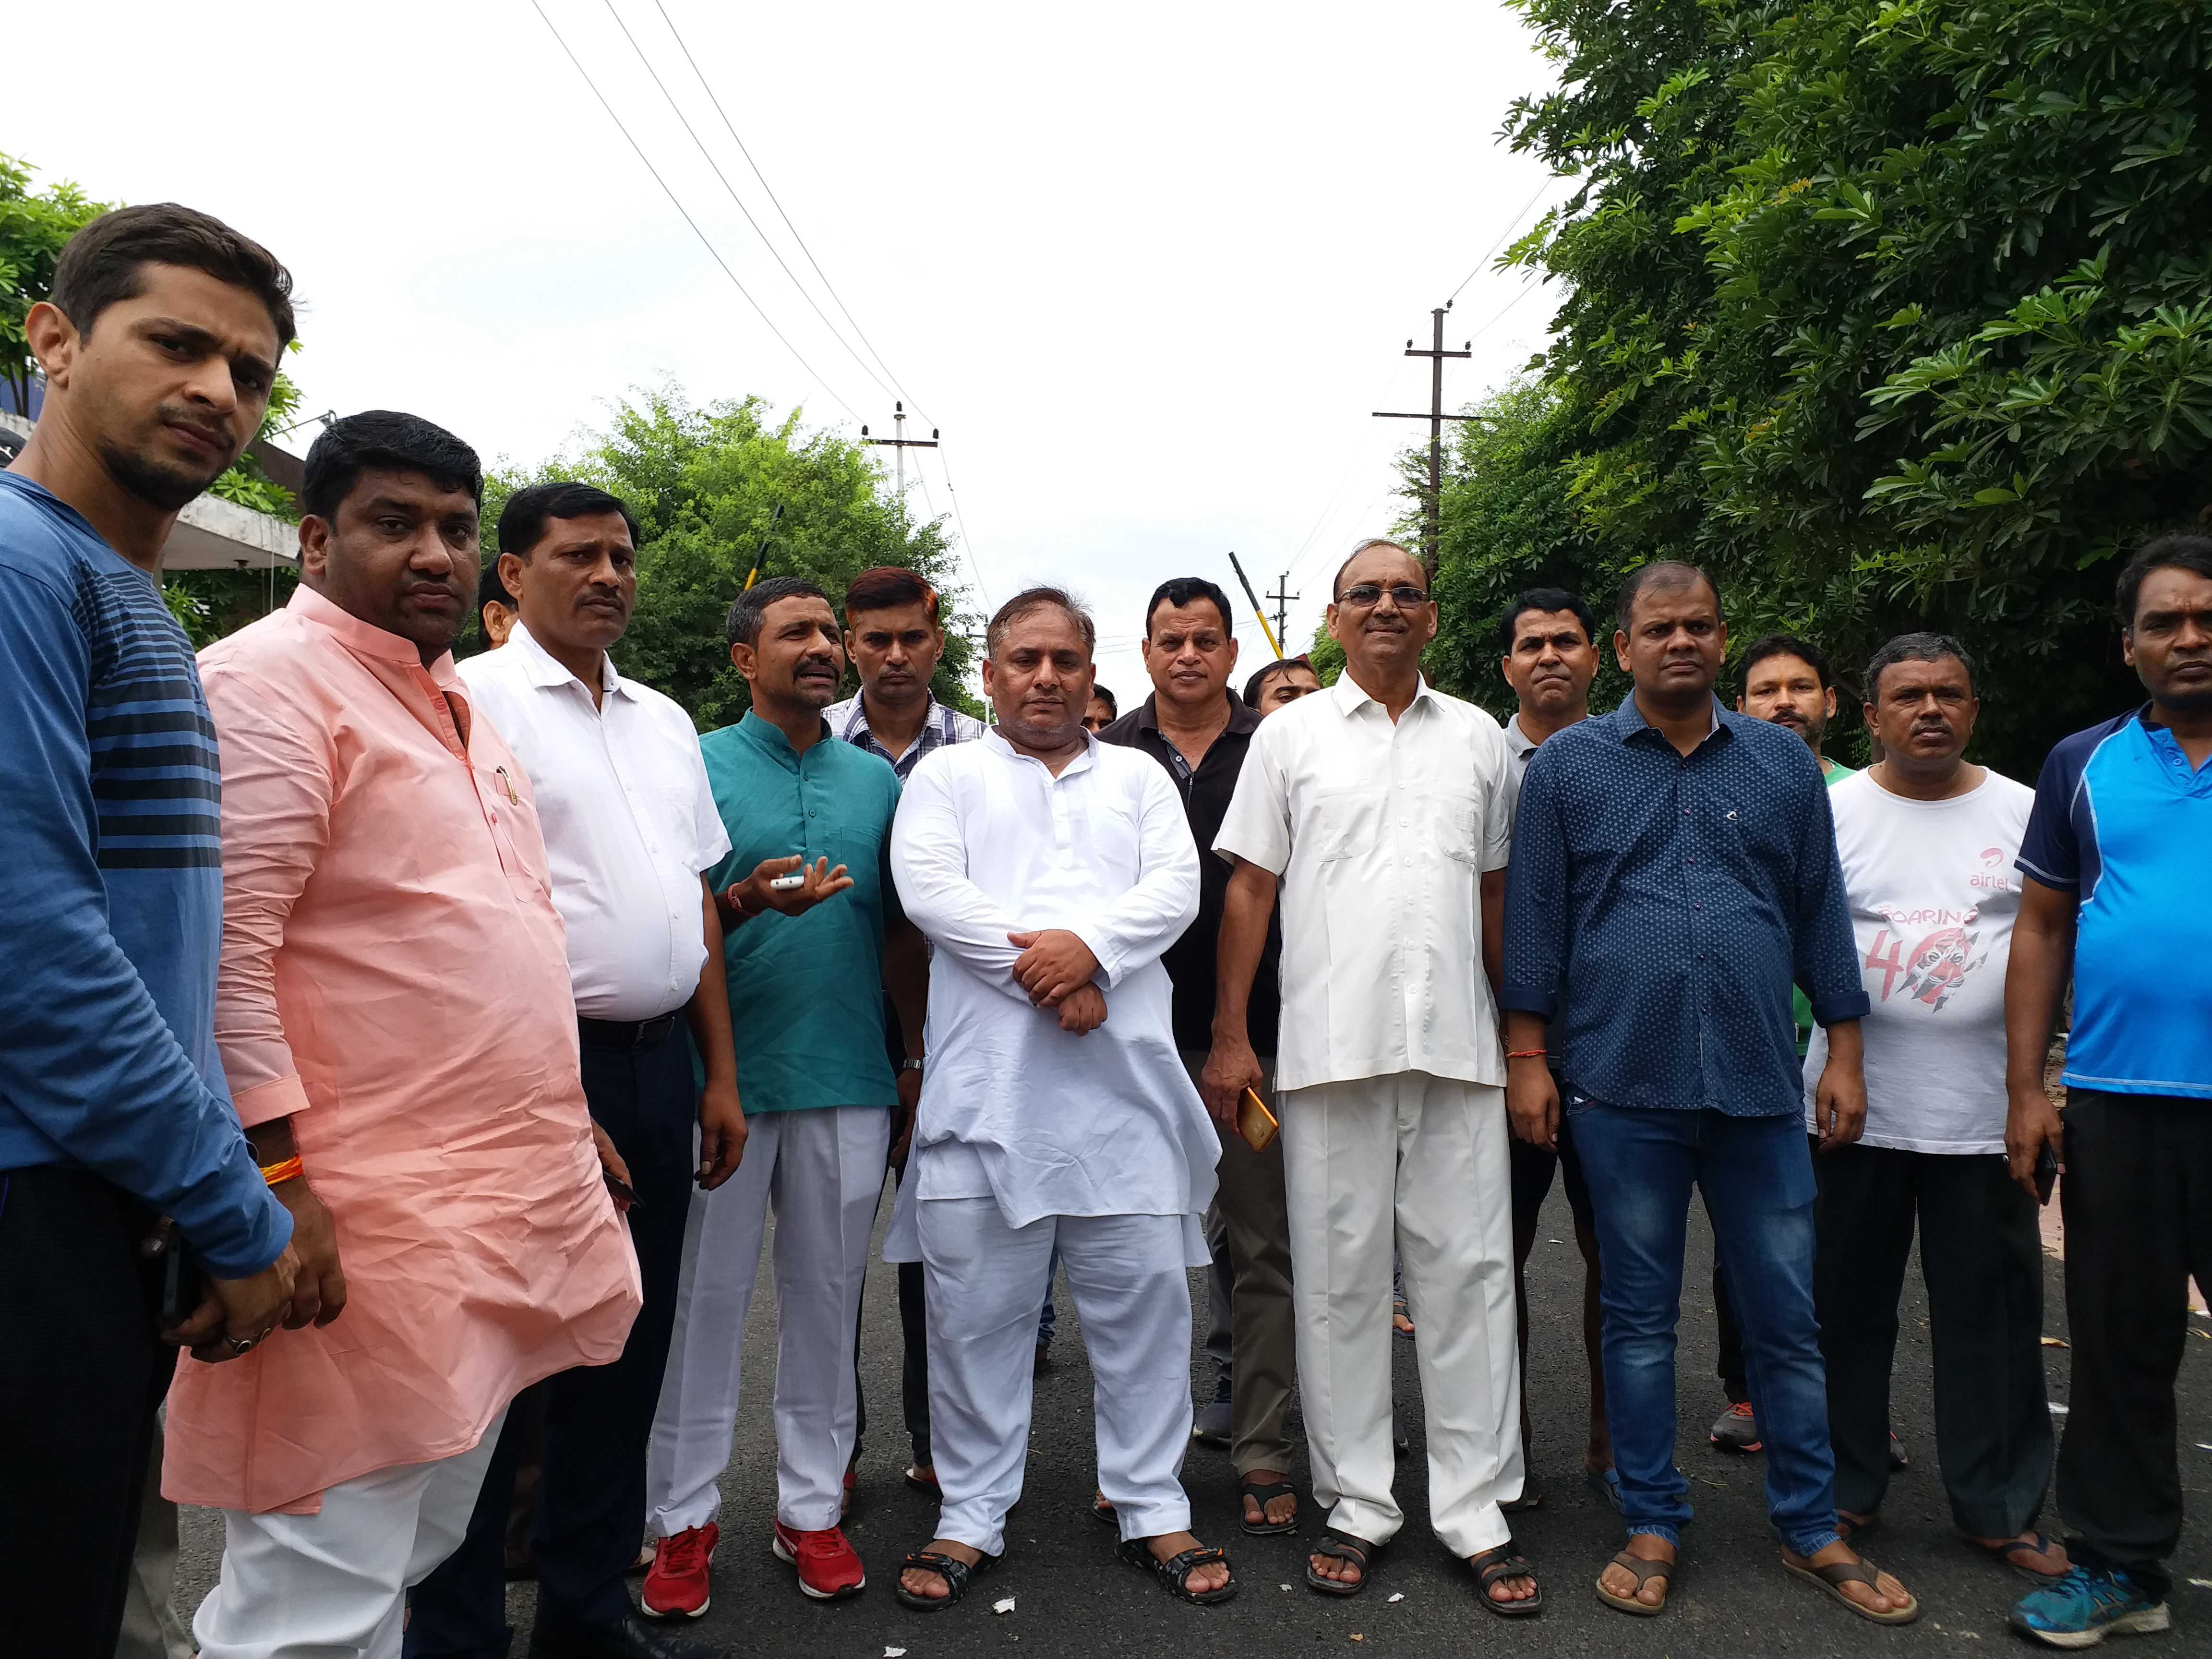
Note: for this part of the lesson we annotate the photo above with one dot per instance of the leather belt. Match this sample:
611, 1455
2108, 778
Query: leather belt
627, 1033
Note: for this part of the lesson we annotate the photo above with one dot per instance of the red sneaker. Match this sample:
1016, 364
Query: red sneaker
828, 1567
676, 1583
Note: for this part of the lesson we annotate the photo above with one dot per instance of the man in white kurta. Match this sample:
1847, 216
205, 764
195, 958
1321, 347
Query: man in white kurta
1049, 874
1382, 808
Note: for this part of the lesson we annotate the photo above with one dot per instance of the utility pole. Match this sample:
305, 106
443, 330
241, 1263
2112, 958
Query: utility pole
902, 443
1237, 566
1432, 513
1282, 606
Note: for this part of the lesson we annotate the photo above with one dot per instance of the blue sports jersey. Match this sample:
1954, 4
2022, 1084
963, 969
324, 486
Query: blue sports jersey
2122, 820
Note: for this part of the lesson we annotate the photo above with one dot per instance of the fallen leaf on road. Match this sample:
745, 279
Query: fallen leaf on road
894, 1653
2201, 1584
2055, 1342
2057, 1410
1357, 1636
1397, 1595
1286, 1587
1003, 1604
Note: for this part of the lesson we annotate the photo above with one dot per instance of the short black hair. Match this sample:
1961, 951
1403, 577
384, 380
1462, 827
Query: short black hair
1787, 645
103, 263
1914, 648
1659, 573
1106, 697
492, 591
1257, 685
1336, 582
1180, 591
1038, 599
744, 623
528, 518
384, 441
1548, 599
2177, 552
886, 587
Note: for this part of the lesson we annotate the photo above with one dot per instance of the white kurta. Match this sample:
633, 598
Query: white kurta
988, 843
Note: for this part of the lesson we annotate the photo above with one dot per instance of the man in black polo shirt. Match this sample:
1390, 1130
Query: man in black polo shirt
1196, 728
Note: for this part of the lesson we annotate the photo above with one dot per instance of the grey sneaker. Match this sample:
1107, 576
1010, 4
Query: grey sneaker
1736, 1430
1210, 1426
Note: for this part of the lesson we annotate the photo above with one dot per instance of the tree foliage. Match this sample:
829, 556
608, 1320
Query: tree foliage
1893, 313
34, 226
705, 483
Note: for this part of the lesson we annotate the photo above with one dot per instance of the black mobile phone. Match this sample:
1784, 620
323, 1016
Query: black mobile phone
621, 1188
184, 1286
2046, 1173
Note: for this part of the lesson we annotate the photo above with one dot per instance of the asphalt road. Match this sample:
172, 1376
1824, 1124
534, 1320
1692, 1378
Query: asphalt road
1073, 1598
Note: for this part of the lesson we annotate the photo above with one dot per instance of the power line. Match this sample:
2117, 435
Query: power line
708, 156
1511, 225
967, 544
826, 283
820, 378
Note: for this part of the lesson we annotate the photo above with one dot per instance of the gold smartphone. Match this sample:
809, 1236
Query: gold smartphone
1255, 1122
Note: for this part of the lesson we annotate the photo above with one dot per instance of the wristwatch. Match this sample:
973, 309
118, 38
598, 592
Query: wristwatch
909, 1064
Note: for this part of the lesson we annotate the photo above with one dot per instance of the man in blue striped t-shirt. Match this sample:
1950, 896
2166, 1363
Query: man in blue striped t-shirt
2118, 857
159, 349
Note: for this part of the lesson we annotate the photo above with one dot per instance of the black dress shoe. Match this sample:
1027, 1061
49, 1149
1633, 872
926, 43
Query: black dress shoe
630, 1638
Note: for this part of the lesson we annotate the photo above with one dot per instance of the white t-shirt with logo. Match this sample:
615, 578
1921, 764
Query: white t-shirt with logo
1934, 894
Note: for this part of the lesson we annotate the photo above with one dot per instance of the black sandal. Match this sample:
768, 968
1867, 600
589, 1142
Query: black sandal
1340, 1547
1504, 1562
958, 1575
1175, 1572
1260, 1492
1101, 1511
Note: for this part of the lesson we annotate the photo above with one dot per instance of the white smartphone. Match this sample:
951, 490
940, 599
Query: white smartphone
789, 884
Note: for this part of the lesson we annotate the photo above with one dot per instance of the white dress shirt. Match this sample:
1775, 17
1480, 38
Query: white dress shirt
629, 822
988, 843
1380, 833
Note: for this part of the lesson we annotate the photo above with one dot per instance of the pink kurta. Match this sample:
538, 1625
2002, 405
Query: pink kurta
393, 978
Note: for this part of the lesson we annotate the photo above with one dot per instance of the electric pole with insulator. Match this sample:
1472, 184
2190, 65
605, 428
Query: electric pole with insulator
1432, 508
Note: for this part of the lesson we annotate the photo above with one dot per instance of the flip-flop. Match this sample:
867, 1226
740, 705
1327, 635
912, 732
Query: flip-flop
1341, 1546
915, 1479
958, 1575
1504, 1562
1645, 1572
1831, 1579
1175, 1572
2006, 1553
1261, 1493
1103, 1511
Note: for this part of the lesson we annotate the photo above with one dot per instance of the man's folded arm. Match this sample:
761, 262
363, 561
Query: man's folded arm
88, 1060
929, 863
1160, 906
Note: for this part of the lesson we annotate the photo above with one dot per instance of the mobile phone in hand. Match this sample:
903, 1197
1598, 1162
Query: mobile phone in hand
626, 1196
790, 884
1255, 1122
2046, 1173
183, 1287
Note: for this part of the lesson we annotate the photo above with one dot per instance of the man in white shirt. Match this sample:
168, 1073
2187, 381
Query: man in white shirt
1384, 808
1050, 873
629, 827
1928, 844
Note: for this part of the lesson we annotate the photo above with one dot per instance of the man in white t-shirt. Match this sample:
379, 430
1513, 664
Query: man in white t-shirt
1927, 843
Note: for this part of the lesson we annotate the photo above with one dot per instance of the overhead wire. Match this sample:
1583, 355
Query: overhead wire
731, 129
1511, 225
708, 156
820, 379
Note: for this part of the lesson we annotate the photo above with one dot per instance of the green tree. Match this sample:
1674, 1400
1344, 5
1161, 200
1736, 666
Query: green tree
1892, 314
705, 485
34, 226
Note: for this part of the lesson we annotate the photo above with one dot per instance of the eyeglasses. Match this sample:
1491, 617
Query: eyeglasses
1366, 595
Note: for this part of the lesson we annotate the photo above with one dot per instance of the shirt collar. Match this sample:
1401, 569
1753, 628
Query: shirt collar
770, 741
1242, 717
1348, 694
1628, 719
1082, 762
542, 671
365, 639
1517, 740
856, 722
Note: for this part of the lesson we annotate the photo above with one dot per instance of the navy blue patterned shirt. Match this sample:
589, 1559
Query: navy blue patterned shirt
111, 891
1659, 906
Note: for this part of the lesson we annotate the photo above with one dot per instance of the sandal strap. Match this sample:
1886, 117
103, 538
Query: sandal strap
955, 1572
1180, 1567
1837, 1574
1263, 1489
1502, 1561
1342, 1546
1645, 1570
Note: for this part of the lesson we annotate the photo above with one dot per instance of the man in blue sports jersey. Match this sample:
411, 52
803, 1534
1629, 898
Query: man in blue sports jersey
159, 347
2118, 854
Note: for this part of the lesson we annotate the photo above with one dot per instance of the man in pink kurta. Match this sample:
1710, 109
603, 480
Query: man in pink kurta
395, 989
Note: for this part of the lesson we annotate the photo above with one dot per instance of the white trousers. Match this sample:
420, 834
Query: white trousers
984, 1282
334, 1585
1423, 1160
822, 1172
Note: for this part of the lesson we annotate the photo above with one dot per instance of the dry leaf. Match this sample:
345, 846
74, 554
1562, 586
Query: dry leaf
894, 1653
1397, 1595
1003, 1604
2055, 1342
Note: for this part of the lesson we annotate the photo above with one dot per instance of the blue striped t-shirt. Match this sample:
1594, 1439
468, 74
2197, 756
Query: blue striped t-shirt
110, 891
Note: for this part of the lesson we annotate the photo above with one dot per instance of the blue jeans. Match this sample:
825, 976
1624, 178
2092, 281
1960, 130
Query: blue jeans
1757, 1177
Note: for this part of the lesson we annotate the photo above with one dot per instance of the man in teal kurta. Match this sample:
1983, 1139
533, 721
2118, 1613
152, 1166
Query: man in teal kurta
807, 968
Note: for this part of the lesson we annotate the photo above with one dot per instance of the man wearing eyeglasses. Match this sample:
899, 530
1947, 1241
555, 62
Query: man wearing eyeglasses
1383, 809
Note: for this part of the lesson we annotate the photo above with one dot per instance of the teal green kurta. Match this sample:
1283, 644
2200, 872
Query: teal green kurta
806, 996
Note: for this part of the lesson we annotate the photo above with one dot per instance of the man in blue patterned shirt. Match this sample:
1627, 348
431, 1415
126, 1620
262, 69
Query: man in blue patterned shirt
1674, 873
159, 349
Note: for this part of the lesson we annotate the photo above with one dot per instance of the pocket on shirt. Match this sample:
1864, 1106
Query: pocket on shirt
1450, 815
1341, 823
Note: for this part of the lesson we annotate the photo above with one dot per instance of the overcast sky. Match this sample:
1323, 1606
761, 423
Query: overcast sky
1150, 267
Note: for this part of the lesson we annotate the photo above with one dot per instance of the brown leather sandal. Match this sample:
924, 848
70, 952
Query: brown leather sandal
1831, 1579
1645, 1572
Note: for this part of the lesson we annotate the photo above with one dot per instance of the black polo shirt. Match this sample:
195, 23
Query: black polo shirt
1192, 960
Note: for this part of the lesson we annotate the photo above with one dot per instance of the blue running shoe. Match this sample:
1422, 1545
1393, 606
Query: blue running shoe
2085, 1606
